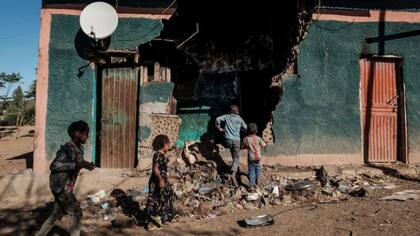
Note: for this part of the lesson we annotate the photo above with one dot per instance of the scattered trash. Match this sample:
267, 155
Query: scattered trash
209, 187
403, 195
97, 197
105, 205
261, 220
276, 191
305, 185
359, 192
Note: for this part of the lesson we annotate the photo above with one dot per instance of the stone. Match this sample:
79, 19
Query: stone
403, 195
287, 199
248, 206
327, 172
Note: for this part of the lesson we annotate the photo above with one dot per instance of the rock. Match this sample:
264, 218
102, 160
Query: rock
204, 208
390, 186
287, 199
178, 194
326, 172
252, 197
222, 211
239, 206
359, 192
249, 206
343, 186
403, 195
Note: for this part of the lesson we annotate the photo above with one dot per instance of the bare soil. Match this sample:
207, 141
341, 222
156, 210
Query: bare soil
355, 216
16, 154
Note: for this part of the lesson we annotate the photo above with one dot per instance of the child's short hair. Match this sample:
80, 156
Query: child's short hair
160, 141
252, 128
77, 126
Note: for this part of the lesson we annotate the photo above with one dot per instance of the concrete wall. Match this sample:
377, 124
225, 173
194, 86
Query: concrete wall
320, 110
65, 95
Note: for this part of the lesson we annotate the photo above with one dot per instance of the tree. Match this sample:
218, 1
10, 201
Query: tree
30, 93
6, 83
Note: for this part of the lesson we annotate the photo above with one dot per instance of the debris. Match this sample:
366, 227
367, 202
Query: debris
252, 197
359, 192
390, 186
249, 206
209, 187
403, 195
105, 205
343, 186
261, 220
276, 191
325, 173
97, 197
301, 186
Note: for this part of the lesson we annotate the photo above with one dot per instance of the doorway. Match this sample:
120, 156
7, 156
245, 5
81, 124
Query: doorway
383, 109
117, 117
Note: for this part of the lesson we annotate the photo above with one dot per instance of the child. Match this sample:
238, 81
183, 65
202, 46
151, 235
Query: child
253, 144
160, 201
64, 171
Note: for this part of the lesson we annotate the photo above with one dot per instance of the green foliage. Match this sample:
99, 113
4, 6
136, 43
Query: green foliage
20, 107
6, 83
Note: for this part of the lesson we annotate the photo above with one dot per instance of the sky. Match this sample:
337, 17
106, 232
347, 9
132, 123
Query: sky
19, 37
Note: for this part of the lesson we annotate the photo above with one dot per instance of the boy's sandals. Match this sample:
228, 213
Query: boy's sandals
155, 223
153, 227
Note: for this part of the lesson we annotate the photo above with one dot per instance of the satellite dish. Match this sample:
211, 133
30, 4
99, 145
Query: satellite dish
98, 20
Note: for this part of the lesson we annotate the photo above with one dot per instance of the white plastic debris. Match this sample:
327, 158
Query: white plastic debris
276, 191
97, 197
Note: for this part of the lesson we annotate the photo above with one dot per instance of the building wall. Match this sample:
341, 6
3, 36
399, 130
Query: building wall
63, 94
320, 109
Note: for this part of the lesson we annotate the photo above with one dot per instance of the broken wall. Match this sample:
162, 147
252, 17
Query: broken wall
230, 61
320, 110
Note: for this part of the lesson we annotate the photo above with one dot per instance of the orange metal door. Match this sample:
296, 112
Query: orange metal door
119, 117
379, 109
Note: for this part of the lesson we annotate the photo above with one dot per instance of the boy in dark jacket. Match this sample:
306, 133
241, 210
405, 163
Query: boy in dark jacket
64, 171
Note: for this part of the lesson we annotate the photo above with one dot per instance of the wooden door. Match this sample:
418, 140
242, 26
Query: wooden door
379, 96
119, 118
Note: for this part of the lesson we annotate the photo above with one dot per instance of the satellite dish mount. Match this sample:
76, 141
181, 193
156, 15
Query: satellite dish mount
98, 21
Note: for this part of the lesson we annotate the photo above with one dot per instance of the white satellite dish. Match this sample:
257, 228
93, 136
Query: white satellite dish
98, 20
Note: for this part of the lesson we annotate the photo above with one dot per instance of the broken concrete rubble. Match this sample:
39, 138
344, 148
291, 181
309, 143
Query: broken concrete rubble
202, 190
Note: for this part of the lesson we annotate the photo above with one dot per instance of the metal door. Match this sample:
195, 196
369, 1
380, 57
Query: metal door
119, 117
379, 108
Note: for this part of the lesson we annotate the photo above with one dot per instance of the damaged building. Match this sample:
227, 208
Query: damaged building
329, 82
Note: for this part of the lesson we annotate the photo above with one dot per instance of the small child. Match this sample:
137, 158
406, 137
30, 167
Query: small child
253, 144
64, 171
160, 201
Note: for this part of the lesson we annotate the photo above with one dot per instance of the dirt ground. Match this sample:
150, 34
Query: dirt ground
354, 216
16, 154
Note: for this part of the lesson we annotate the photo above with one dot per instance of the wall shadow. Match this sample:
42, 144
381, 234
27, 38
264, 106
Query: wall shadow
28, 157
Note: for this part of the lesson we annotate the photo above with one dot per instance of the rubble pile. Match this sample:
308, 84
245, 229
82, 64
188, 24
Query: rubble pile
202, 189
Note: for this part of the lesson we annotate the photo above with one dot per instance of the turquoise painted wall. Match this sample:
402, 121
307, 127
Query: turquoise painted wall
155, 92
71, 98
319, 112
213, 94
152, 94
